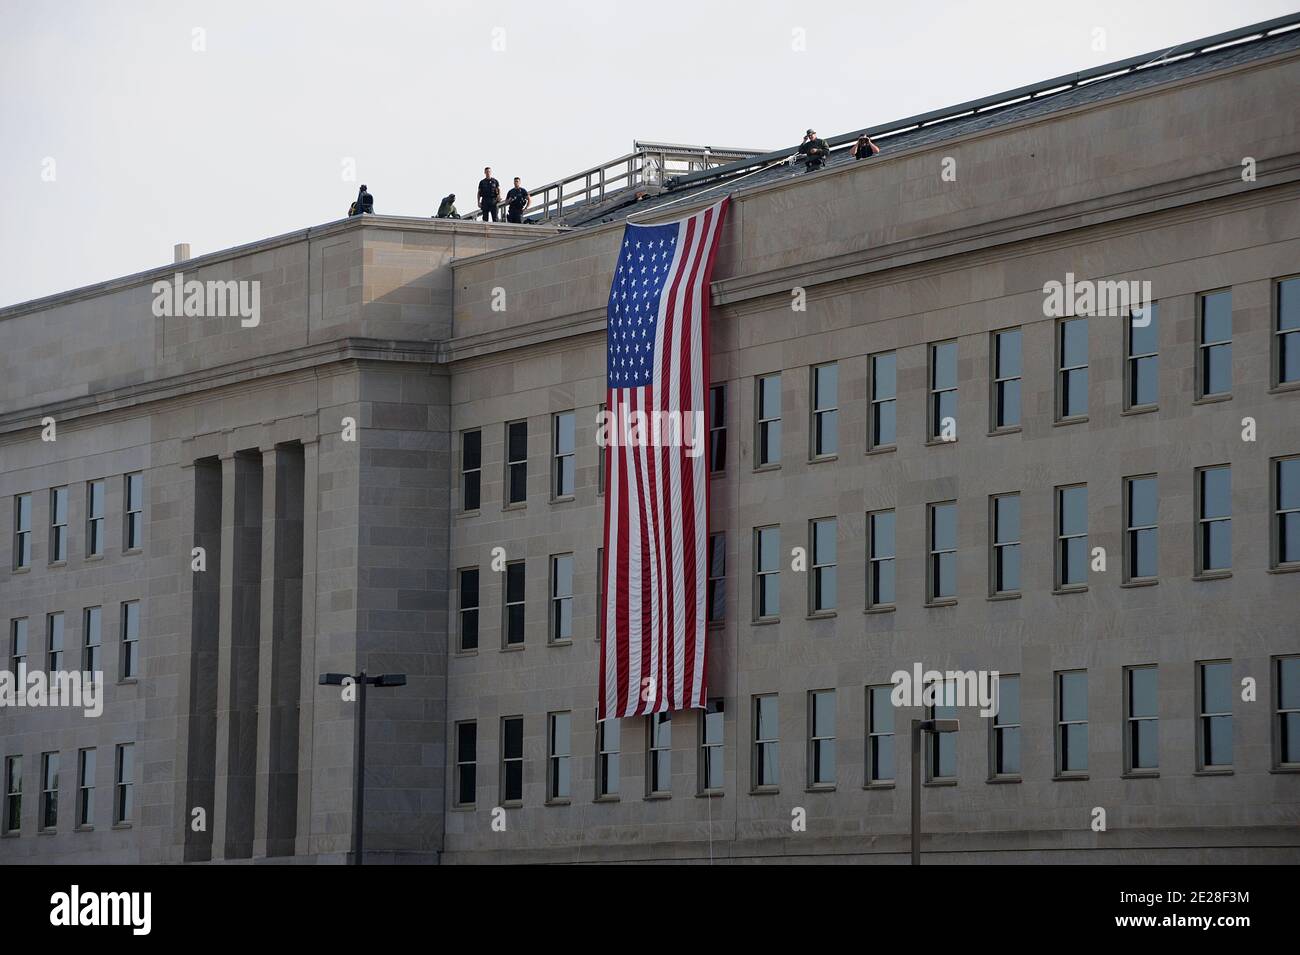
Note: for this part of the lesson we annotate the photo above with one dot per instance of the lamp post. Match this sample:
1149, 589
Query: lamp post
919, 728
359, 784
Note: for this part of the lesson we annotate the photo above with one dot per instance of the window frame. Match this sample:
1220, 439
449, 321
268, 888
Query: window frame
471, 473
997, 379
1133, 359
58, 543
870, 780
96, 544
505, 760
607, 758
714, 707
1059, 723
85, 807
996, 728
1203, 347
557, 761
1278, 514
1062, 540
1131, 529
1278, 337
818, 740
507, 498
132, 533
462, 609
934, 555
758, 761
1199, 569
123, 788
556, 601
47, 810
820, 570
717, 431
1130, 747
763, 423
874, 603
1203, 718
876, 403
561, 459
997, 548
816, 414
92, 653
934, 742
1278, 713
23, 535
934, 393
507, 604
715, 598
1064, 372
13, 794
760, 573
53, 655
658, 756
129, 654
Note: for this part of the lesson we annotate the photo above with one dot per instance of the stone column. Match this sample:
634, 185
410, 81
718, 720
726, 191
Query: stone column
307, 688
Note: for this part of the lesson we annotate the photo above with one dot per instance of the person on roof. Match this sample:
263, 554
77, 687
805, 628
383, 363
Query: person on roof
517, 200
814, 150
365, 203
489, 194
447, 208
864, 148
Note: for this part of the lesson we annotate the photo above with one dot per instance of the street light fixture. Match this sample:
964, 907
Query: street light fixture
361, 680
919, 728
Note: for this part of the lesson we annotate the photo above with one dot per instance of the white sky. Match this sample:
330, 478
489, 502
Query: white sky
155, 143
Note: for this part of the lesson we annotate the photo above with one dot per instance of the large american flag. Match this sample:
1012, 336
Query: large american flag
657, 497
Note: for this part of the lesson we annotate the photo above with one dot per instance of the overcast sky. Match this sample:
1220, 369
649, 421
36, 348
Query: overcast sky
127, 126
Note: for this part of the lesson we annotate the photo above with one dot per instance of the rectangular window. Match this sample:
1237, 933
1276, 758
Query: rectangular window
1005, 539
512, 759
822, 592
609, 733
22, 531
883, 423
466, 763
767, 744
471, 470
821, 738
768, 440
1071, 722
1286, 511
13, 793
54, 642
1072, 537
941, 748
516, 462
1213, 519
880, 559
943, 392
133, 512
1004, 757
942, 583
92, 631
825, 411
1286, 721
124, 783
563, 442
559, 749
1214, 715
86, 787
1072, 369
49, 791
17, 645
1006, 379
1141, 716
1141, 357
659, 754
94, 518
468, 608
561, 598
880, 736
717, 583
712, 737
1286, 335
1140, 510
58, 525
767, 573
1214, 345
514, 604
717, 429
130, 639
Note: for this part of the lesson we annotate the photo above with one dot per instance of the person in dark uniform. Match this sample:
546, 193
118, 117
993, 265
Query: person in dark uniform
517, 200
864, 148
365, 202
814, 150
489, 194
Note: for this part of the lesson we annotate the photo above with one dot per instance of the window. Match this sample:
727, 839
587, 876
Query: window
92, 632
1072, 537
1071, 722
471, 470
883, 423
22, 531
1072, 369
512, 759
608, 735
1005, 729
563, 441
1214, 712
17, 645
468, 609
58, 525
821, 739
49, 791
133, 518
717, 582
880, 736
1286, 335
768, 442
941, 748
1214, 341
659, 753
514, 609
880, 559
516, 462
1141, 717
712, 737
822, 583
94, 518
13, 793
717, 429
943, 552
1141, 357
1006, 544
130, 639
466, 763
767, 573
766, 743
561, 598
943, 391
559, 750
54, 642
1006, 379
825, 411
1286, 732
1286, 511
1213, 520
1140, 528
124, 783
86, 787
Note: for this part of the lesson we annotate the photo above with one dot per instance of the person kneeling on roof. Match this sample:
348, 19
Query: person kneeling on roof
814, 150
447, 208
864, 148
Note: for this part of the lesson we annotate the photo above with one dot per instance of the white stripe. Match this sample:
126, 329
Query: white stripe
634, 558
610, 622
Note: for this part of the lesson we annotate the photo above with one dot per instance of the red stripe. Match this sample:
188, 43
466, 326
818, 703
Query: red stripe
603, 609
624, 552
